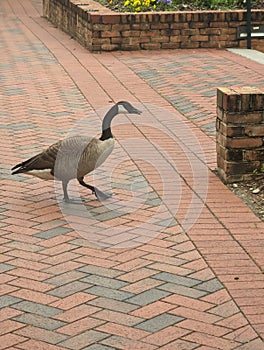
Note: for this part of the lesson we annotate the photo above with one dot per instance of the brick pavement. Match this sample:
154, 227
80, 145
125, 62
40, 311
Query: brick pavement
174, 261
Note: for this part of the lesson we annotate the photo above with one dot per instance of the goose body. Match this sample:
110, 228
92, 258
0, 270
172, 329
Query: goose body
76, 156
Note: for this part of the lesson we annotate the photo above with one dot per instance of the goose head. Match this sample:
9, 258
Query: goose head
119, 107
126, 107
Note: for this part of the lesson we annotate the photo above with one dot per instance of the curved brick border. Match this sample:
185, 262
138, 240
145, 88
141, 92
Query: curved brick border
100, 29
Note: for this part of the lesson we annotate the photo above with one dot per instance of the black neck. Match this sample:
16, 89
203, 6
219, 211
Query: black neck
106, 134
106, 125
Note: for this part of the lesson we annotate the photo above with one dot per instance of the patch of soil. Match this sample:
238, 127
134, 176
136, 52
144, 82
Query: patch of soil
252, 194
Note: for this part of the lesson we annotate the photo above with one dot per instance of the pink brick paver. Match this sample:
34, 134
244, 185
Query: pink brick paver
174, 260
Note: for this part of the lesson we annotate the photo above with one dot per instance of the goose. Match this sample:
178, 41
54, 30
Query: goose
76, 156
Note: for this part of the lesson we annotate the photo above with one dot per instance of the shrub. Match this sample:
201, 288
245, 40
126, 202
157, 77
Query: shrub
177, 5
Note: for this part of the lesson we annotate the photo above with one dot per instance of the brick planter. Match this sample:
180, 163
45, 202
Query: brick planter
240, 133
100, 29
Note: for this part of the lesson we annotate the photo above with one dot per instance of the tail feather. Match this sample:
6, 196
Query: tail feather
17, 166
20, 169
17, 171
23, 167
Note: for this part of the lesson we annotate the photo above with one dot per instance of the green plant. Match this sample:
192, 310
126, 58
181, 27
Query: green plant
176, 5
259, 171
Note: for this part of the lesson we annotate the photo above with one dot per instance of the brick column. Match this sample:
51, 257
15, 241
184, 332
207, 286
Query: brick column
239, 133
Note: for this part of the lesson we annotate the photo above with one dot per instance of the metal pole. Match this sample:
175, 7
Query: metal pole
248, 24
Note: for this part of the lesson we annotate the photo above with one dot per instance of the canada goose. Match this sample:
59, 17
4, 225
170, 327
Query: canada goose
76, 156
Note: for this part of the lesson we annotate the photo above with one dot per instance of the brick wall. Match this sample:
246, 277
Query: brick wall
240, 132
98, 28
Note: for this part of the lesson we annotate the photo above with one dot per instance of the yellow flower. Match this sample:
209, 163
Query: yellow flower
138, 9
110, 2
127, 3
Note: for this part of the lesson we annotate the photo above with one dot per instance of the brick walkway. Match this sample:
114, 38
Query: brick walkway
173, 261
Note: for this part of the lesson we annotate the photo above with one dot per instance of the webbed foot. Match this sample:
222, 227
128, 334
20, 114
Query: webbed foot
101, 195
72, 200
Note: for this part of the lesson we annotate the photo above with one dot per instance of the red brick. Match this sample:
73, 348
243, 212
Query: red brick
123, 331
26, 255
142, 285
9, 326
79, 326
94, 18
135, 264
153, 309
8, 340
198, 38
113, 316
32, 285
30, 274
41, 334
111, 19
242, 118
51, 242
118, 342
96, 261
39, 345
235, 321
202, 327
72, 301
64, 265
180, 344
195, 315
178, 270
243, 334
137, 275
209, 340
166, 335
5, 278
34, 296
159, 250
151, 46
7, 312
240, 142
6, 289
194, 304
77, 313
19, 222
230, 130
93, 252
254, 130
63, 247
22, 229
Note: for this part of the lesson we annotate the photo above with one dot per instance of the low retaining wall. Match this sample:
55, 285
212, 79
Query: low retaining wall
240, 133
100, 29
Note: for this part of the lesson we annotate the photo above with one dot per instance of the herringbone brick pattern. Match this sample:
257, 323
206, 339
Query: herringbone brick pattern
188, 80
173, 260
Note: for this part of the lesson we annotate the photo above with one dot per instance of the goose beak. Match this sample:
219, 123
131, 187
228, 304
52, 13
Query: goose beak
128, 108
136, 111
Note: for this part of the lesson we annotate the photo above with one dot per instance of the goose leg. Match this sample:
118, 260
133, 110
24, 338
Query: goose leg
66, 197
65, 192
100, 195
